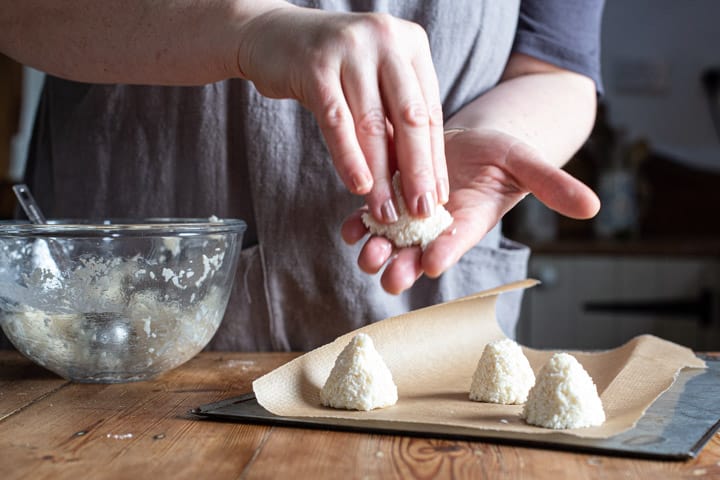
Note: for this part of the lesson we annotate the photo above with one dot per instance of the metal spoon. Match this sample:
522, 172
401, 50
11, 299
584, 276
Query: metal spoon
35, 215
91, 321
28, 204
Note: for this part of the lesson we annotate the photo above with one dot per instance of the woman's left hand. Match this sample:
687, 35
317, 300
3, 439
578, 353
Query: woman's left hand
490, 172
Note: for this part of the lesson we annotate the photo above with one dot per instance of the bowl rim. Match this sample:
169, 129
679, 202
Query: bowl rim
119, 227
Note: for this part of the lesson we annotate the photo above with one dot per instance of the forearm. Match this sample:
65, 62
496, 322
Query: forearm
179, 42
552, 110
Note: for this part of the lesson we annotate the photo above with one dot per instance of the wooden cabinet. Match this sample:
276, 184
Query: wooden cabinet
601, 301
10, 104
10, 101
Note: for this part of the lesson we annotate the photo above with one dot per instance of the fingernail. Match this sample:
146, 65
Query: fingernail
426, 204
389, 214
361, 182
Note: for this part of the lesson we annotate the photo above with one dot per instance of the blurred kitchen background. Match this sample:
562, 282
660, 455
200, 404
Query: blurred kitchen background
650, 261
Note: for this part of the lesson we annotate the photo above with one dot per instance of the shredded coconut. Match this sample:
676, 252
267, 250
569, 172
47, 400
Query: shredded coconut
359, 380
564, 396
503, 374
409, 230
113, 316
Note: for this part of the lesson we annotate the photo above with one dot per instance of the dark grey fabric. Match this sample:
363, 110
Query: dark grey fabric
223, 149
564, 33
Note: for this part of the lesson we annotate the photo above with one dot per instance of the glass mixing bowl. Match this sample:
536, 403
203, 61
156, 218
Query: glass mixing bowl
115, 300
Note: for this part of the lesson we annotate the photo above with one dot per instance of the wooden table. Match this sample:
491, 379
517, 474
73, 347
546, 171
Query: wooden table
50, 428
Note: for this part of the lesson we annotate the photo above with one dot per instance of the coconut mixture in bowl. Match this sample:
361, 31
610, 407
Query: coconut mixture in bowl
115, 301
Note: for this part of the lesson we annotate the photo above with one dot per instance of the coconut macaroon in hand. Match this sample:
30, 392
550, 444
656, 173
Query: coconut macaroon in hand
503, 374
564, 396
360, 379
409, 230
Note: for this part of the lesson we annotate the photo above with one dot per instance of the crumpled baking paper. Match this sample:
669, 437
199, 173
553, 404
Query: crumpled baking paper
432, 354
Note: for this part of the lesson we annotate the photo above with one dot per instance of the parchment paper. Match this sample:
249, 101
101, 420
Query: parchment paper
432, 354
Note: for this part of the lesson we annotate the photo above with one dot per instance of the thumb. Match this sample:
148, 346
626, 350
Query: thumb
551, 185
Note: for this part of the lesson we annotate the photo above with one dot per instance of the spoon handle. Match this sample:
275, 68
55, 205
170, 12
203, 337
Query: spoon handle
28, 204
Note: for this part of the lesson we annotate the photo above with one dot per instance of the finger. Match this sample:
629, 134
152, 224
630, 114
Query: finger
446, 250
408, 113
402, 271
327, 102
470, 225
374, 254
361, 89
554, 187
427, 77
353, 229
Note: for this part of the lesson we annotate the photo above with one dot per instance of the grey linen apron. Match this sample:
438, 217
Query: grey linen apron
223, 149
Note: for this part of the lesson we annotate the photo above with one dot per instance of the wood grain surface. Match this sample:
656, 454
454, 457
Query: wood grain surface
54, 429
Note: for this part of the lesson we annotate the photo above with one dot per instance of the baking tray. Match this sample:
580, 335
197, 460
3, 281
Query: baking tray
675, 427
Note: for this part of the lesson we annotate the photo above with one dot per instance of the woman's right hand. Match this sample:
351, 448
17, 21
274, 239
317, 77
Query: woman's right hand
369, 80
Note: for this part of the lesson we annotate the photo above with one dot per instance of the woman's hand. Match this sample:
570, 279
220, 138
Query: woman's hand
490, 172
367, 78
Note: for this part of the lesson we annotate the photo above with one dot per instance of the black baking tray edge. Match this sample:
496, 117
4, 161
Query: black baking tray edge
675, 427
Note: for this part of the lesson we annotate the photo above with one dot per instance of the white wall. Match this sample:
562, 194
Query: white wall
653, 53
31, 87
